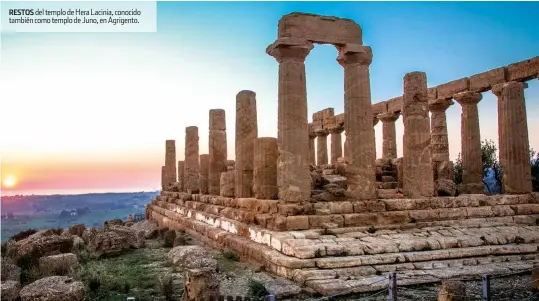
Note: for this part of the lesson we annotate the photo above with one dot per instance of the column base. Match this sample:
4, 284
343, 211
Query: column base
471, 188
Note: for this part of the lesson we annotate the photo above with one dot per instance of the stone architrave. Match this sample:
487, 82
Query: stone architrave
192, 165
163, 178
322, 146
204, 173
389, 136
513, 138
265, 168
246, 133
181, 175
472, 164
217, 150
170, 162
293, 173
312, 153
336, 143
417, 169
442, 167
361, 174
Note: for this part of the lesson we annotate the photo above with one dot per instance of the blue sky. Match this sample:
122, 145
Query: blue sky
126, 93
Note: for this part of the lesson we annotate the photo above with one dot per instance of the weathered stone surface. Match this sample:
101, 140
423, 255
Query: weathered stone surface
336, 143
524, 70
447, 90
148, 227
389, 143
361, 176
246, 133
181, 175
452, 291
134, 239
107, 243
54, 288
227, 184
204, 173
265, 168
163, 178
61, 264
10, 272
394, 104
191, 257
293, 175
217, 149
42, 243
472, 166
10, 290
513, 137
312, 151
200, 285
322, 146
418, 178
486, 80
320, 29
192, 165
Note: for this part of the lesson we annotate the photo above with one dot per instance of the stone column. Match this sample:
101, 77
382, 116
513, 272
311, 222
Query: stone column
246, 133
361, 172
322, 146
181, 175
217, 149
417, 169
265, 168
472, 162
192, 166
442, 167
170, 162
389, 136
346, 150
513, 138
204, 173
312, 153
336, 143
163, 178
294, 177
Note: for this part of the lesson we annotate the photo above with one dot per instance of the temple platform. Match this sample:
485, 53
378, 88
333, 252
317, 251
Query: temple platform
348, 245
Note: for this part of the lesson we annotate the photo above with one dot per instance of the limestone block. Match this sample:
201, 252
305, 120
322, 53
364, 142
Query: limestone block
379, 108
447, 90
524, 70
394, 104
300, 222
204, 173
320, 29
339, 119
486, 80
227, 183
265, 168
432, 93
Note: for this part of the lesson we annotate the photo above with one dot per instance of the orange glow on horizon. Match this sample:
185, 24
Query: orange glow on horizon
9, 181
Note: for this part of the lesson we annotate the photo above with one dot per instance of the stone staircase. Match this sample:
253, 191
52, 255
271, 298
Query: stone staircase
423, 240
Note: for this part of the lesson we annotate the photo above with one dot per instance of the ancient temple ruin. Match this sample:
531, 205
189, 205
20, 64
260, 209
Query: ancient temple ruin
336, 225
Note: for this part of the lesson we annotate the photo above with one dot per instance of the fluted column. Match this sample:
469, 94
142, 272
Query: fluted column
192, 166
163, 178
246, 133
265, 168
294, 178
322, 146
170, 162
181, 175
513, 138
217, 149
389, 136
442, 167
417, 169
336, 143
346, 150
361, 174
204, 173
312, 153
472, 162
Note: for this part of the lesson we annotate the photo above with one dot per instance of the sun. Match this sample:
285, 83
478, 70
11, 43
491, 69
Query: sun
9, 181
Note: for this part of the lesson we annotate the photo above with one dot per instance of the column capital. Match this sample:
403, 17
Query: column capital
322, 132
498, 89
312, 133
336, 130
440, 105
389, 116
294, 49
354, 54
375, 120
468, 98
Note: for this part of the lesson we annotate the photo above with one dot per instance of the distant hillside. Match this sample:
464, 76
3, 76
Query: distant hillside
51, 211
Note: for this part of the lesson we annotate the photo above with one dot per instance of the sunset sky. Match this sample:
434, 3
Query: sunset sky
90, 112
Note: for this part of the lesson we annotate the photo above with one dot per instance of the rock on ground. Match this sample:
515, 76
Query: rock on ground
10, 271
10, 290
40, 244
54, 288
61, 264
149, 227
107, 244
191, 257
135, 239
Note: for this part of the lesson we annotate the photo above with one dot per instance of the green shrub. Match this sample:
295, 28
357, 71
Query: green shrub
231, 256
167, 286
23, 234
257, 290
